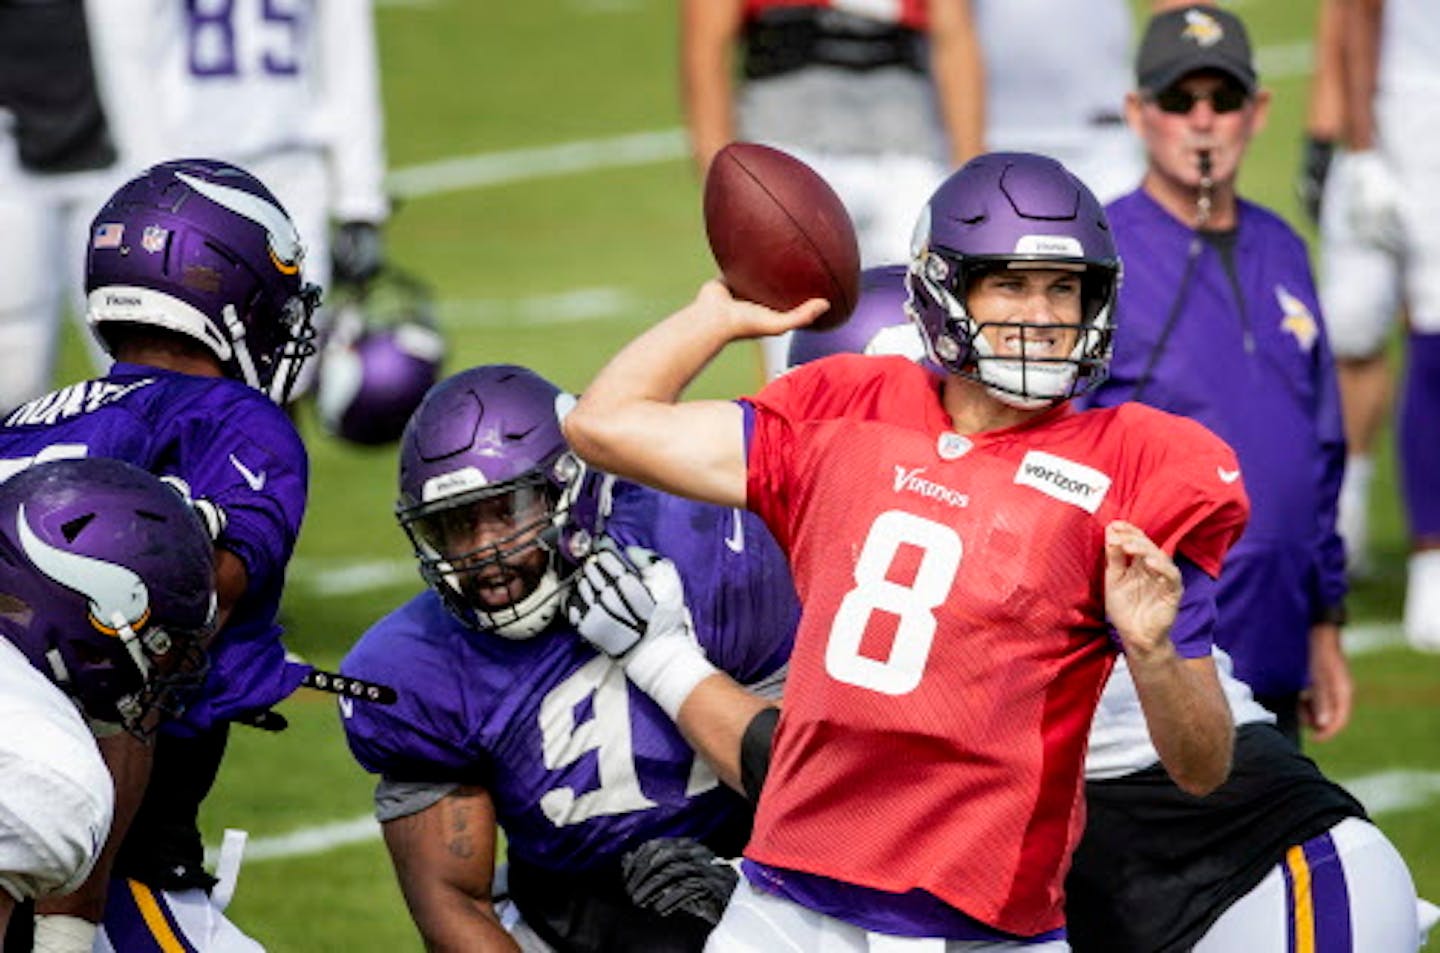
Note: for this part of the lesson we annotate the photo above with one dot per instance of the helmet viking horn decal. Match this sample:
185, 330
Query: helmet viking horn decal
118, 597
285, 247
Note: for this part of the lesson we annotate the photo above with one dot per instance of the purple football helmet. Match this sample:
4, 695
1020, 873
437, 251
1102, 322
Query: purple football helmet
498, 509
1013, 210
108, 587
381, 354
880, 324
202, 248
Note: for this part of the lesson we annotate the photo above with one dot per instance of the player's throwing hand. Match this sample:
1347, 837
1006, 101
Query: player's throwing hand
1142, 588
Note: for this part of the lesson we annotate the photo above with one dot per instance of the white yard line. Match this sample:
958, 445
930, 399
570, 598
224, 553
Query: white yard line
568, 307
1280, 61
523, 165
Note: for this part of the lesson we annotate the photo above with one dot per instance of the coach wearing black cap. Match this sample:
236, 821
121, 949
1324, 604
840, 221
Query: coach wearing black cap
1218, 321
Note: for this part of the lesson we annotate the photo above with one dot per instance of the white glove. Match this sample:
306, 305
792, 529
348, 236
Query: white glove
1374, 197
632, 608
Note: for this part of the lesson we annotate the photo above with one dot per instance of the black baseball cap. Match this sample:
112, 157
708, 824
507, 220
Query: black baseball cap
1189, 39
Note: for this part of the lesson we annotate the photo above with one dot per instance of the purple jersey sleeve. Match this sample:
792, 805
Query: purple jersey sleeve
1194, 630
232, 446
737, 582
423, 735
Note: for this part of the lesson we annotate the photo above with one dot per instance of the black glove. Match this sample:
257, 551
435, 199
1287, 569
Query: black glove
1315, 159
678, 873
357, 253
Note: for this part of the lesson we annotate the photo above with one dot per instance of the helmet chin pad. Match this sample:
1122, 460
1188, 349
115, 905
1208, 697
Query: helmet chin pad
529, 616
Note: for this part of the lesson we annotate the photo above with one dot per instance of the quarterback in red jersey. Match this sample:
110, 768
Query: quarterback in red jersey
970, 554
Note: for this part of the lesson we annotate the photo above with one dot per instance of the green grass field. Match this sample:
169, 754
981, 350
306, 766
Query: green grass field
463, 78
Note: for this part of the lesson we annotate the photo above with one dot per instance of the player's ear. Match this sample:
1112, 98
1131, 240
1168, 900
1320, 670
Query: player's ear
1132, 111
1260, 112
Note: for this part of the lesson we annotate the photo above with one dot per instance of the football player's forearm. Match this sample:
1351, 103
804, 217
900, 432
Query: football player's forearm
958, 72
628, 422
1360, 30
129, 761
713, 718
454, 922
708, 36
1187, 716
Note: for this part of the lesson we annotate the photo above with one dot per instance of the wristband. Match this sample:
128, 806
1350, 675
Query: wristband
62, 933
668, 670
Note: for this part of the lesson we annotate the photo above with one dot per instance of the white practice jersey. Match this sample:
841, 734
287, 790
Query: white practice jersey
244, 80
1054, 69
1120, 742
56, 799
1410, 47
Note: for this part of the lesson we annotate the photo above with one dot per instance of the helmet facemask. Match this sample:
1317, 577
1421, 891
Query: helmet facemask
273, 366
146, 674
1017, 378
493, 553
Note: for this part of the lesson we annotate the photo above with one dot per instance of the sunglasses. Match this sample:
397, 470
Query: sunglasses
1225, 99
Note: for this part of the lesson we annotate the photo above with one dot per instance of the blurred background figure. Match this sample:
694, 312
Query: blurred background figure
1058, 89
289, 92
1379, 242
1218, 320
58, 162
881, 98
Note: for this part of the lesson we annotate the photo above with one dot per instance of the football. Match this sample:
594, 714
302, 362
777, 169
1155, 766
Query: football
779, 233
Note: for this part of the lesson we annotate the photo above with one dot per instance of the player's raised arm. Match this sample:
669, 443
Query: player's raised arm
628, 421
1185, 709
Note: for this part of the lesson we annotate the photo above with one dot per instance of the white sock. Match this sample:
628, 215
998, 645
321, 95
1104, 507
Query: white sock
1353, 518
1422, 601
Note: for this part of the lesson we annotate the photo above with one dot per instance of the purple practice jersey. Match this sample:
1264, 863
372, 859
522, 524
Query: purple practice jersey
580, 764
234, 447
1247, 356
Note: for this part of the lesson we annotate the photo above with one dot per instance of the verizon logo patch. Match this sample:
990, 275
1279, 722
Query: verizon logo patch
1065, 480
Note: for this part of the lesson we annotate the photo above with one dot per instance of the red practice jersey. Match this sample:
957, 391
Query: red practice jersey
953, 642
909, 13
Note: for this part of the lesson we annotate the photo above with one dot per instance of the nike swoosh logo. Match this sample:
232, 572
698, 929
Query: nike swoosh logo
1227, 476
256, 481
735, 542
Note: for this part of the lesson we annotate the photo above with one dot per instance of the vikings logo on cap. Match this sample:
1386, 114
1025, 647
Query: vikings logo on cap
1202, 29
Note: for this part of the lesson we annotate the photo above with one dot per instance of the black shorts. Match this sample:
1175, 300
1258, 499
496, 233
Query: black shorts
784, 39
1156, 866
